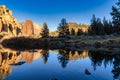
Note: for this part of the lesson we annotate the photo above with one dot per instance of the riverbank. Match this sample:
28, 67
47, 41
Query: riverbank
109, 42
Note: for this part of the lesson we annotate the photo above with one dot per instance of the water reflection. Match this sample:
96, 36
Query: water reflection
45, 55
66, 55
10, 58
97, 59
116, 67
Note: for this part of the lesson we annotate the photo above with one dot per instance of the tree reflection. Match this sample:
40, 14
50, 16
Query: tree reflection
97, 58
62, 57
116, 66
63, 60
45, 55
66, 55
100, 57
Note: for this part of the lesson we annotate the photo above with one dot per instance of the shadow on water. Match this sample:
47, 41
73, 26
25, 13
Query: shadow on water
21, 55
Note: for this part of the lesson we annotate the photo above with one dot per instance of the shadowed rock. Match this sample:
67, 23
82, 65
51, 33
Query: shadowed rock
18, 64
87, 72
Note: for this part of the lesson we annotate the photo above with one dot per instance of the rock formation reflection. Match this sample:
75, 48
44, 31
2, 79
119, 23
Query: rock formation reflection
9, 58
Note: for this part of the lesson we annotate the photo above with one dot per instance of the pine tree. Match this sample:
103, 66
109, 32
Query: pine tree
93, 26
72, 31
106, 26
116, 16
67, 32
62, 28
111, 28
80, 32
45, 31
96, 27
100, 28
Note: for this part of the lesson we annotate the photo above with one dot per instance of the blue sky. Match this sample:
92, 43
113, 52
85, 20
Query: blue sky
52, 11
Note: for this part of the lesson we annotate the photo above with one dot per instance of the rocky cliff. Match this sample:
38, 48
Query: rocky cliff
30, 28
27, 28
73, 25
76, 26
8, 23
37, 29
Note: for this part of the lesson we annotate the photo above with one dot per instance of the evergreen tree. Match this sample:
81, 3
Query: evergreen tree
45, 31
116, 16
93, 26
80, 32
45, 55
106, 26
67, 32
96, 27
111, 28
72, 31
62, 28
100, 28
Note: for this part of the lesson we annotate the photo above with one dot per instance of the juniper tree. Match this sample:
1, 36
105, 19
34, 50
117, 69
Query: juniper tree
116, 16
62, 28
45, 31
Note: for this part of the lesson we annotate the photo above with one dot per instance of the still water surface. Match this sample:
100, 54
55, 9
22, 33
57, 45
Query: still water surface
59, 65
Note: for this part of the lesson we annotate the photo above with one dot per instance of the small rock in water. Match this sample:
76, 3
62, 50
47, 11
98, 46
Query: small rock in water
87, 72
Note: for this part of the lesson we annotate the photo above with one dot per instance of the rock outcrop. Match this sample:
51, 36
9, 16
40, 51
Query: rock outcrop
76, 26
37, 29
8, 23
73, 25
27, 28
30, 28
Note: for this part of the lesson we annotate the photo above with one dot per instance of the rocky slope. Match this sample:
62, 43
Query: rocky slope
72, 25
76, 26
8, 23
37, 29
11, 27
30, 28
27, 28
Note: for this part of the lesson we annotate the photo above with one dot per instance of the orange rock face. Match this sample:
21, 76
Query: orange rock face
37, 29
76, 26
11, 26
8, 23
27, 28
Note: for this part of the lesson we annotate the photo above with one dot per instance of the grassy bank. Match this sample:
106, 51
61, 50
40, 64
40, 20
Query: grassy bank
110, 42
